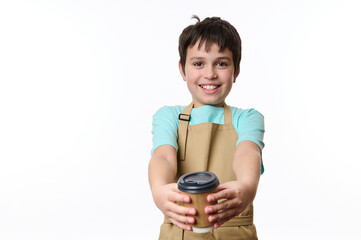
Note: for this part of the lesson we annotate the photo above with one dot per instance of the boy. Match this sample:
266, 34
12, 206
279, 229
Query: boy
208, 135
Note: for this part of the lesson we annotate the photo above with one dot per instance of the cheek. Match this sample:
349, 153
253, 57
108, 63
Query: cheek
192, 75
191, 84
189, 81
228, 77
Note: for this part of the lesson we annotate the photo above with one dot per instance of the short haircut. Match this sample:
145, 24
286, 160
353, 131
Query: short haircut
209, 31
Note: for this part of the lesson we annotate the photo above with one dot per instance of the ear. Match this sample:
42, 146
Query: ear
181, 71
236, 75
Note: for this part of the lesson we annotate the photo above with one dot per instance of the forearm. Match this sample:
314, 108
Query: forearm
247, 167
162, 167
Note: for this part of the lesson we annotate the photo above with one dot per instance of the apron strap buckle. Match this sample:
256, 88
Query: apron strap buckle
184, 117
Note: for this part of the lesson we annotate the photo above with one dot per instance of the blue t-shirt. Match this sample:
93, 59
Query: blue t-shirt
248, 123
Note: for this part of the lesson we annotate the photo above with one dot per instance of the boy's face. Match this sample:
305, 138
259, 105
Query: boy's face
209, 75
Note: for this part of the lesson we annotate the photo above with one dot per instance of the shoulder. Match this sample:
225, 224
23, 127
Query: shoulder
239, 113
168, 112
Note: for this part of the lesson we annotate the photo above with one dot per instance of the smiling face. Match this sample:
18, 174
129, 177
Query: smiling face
209, 74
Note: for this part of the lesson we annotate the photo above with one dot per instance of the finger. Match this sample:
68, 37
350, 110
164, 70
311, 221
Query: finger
181, 225
222, 206
180, 210
224, 186
223, 216
177, 197
180, 220
219, 223
222, 194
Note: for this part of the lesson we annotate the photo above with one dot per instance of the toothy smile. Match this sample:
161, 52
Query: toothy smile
209, 87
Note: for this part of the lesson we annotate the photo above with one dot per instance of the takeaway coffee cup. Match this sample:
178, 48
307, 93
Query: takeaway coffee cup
198, 185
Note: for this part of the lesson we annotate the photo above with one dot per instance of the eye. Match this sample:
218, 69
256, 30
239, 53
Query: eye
222, 64
197, 64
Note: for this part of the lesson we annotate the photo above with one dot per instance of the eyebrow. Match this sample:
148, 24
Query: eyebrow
201, 58
224, 58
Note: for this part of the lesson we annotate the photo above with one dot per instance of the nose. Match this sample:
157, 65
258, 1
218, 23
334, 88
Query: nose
210, 73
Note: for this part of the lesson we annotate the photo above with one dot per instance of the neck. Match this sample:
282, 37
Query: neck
197, 105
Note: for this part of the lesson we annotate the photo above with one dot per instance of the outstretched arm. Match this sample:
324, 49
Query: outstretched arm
161, 172
238, 194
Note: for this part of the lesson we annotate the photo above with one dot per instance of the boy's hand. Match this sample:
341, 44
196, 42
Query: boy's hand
237, 198
166, 198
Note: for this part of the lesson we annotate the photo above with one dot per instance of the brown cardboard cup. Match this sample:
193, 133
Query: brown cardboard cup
198, 185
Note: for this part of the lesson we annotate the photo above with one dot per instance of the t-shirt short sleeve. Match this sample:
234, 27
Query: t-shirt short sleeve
250, 126
165, 127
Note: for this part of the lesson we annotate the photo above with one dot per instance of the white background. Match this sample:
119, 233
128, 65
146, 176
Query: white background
80, 81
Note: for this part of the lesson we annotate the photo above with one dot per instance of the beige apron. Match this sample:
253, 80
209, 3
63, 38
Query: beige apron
209, 147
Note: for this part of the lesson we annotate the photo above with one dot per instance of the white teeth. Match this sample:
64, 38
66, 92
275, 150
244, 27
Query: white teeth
209, 87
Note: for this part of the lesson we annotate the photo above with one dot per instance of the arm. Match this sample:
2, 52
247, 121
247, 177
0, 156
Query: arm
237, 194
161, 172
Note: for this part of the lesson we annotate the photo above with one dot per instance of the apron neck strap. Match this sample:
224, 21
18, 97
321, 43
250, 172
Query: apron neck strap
227, 115
188, 109
184, 119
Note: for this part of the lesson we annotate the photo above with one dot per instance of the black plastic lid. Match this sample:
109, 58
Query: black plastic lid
198, 182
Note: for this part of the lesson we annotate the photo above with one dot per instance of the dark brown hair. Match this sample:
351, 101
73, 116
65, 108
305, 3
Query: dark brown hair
209, 31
